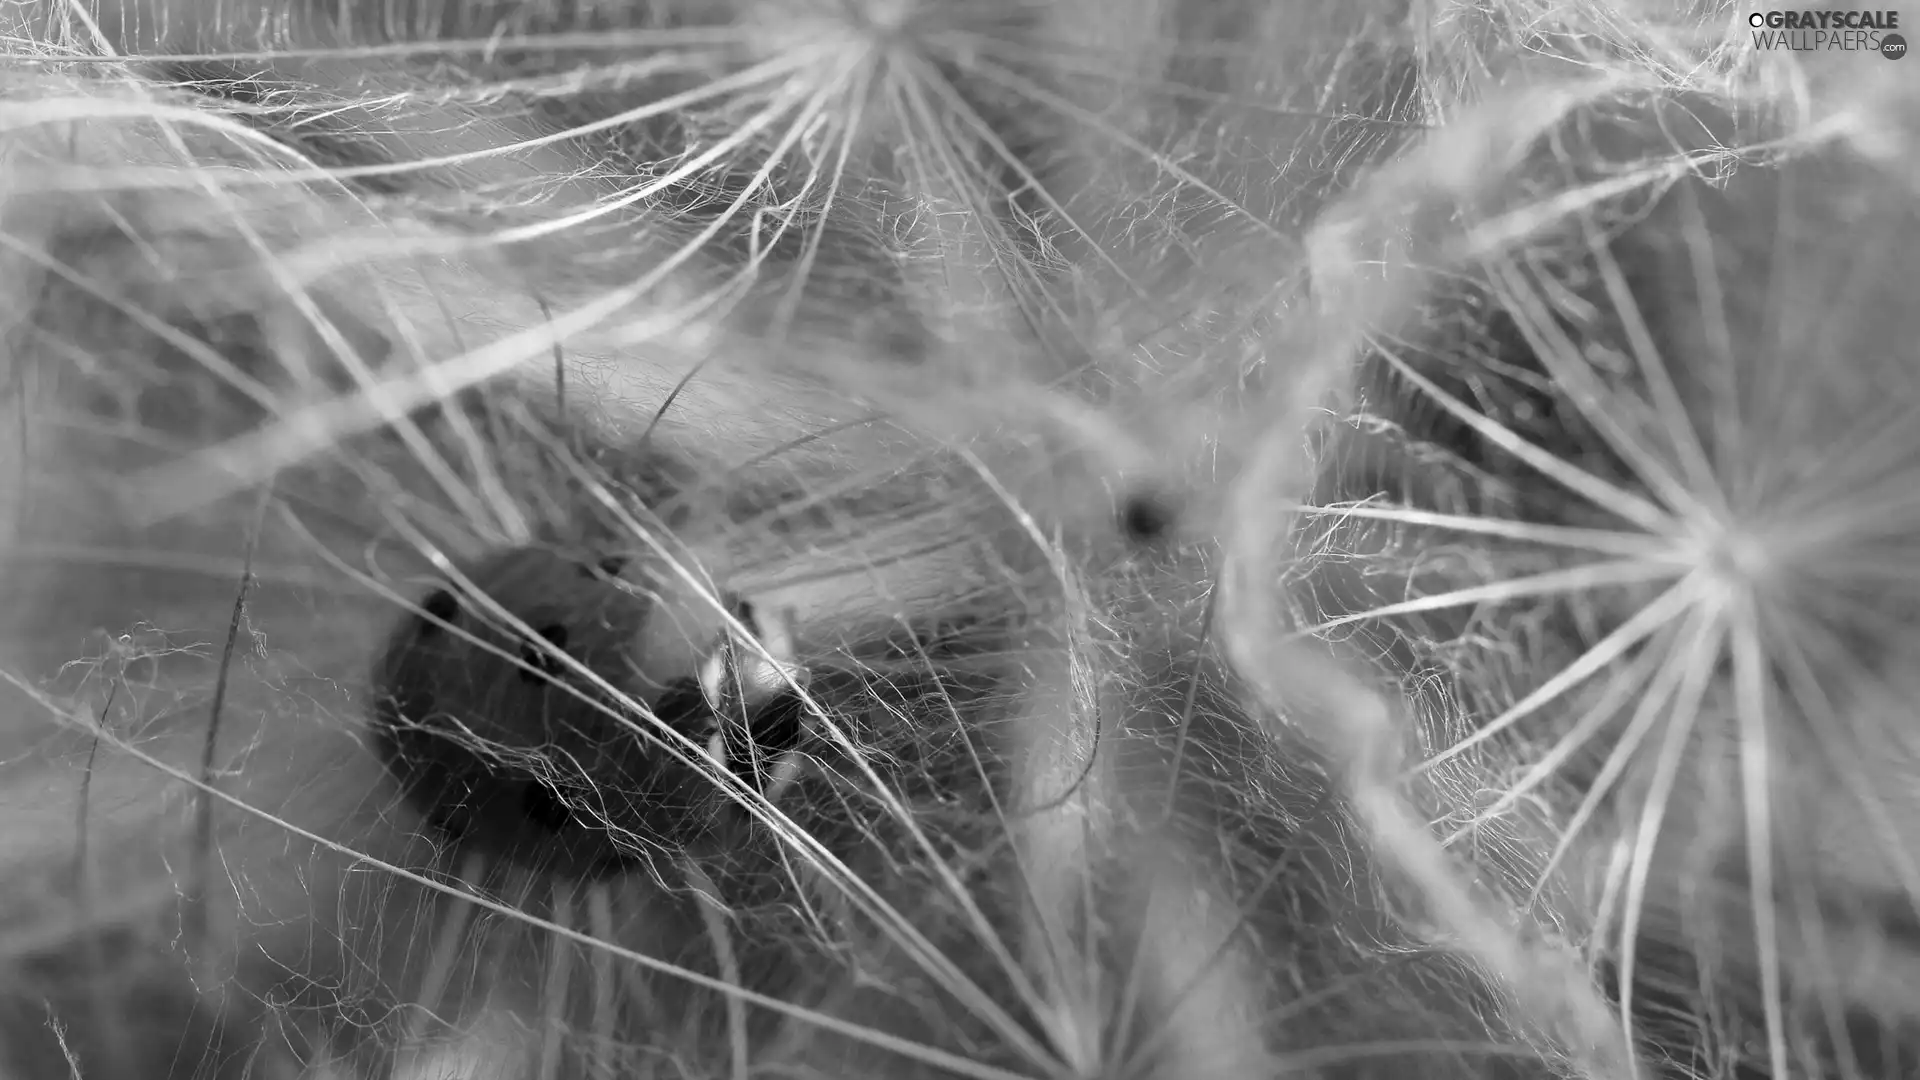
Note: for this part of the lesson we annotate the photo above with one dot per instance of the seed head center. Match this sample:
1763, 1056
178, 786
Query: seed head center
1737, 558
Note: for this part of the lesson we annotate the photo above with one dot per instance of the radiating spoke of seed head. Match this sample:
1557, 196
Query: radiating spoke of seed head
606, 987
1750, 704
1570, 581
1621, 689
1576, 378
554, 994
446, 950
1698, 661
1603, 494
1663, 610
1660, 692
1597, 541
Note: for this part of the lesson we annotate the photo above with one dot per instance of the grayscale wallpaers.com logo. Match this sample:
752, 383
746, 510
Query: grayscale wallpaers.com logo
1829, 31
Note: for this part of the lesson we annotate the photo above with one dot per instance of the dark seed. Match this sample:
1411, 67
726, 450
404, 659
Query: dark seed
441, 605
1145, 517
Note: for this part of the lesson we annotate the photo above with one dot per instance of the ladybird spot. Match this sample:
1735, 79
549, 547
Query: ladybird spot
447, 822
541, 665
446, 817
777, 725
609, 566
439, 605
541, 805
683, 707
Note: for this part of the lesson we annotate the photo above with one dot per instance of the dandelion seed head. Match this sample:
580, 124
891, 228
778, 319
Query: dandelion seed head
888, 538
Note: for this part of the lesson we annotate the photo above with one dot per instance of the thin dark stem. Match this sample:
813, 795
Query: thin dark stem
106, 1008
203, 809
80, 881
559, 371
1191, 702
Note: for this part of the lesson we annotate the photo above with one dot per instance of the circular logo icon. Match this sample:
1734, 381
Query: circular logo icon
1893, 46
